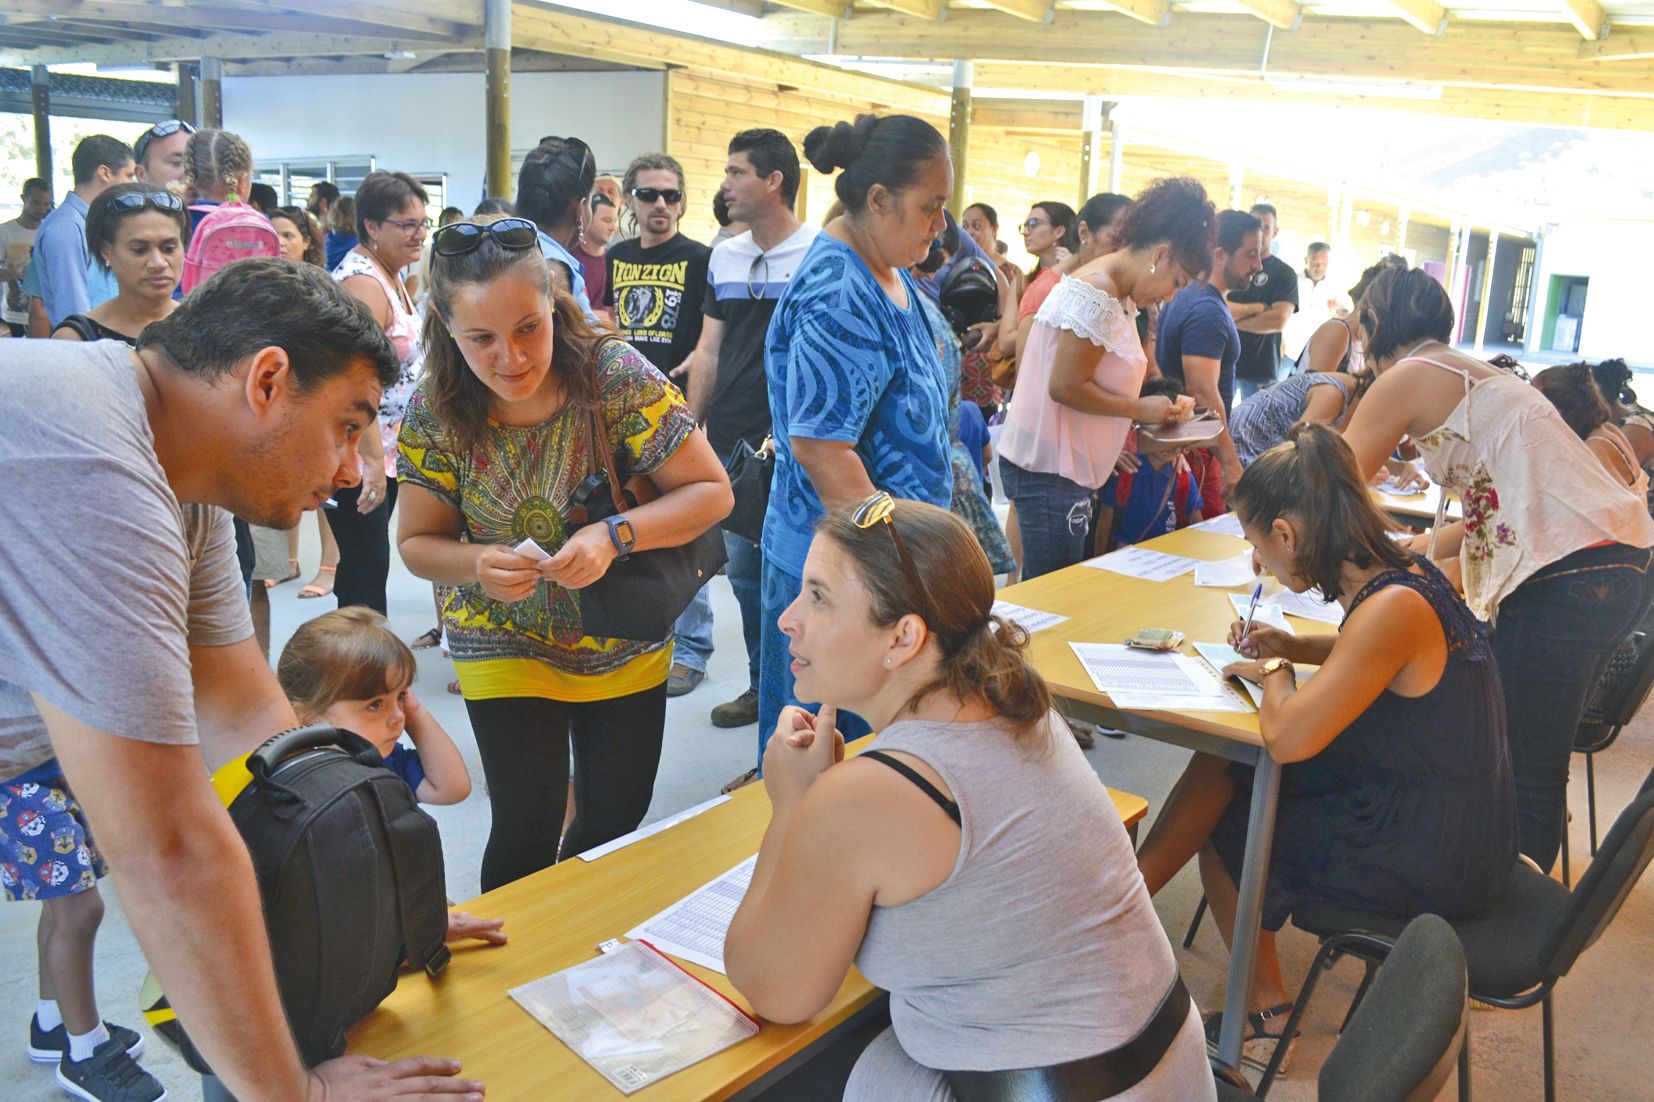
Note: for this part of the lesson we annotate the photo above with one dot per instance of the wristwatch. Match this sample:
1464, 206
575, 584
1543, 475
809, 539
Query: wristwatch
1274, 664
622, 535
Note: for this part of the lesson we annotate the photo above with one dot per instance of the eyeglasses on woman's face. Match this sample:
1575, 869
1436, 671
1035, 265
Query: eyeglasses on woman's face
409, 226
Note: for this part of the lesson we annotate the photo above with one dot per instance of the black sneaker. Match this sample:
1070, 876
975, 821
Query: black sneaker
48, 1046
109, 1075
738, 712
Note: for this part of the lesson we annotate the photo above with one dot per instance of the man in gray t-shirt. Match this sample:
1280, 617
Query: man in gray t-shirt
125, 640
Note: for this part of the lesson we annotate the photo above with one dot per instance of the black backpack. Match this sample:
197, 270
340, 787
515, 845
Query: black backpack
350, 872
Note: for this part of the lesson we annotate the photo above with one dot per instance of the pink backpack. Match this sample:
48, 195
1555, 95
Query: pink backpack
229, 232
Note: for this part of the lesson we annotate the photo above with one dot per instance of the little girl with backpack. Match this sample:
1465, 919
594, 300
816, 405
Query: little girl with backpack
218, 172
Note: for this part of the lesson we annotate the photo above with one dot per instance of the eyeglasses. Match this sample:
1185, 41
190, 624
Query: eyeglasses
755, 290
159, 130
880, 506
649, 194
137, 200
460, 238
1033, 224
409, 225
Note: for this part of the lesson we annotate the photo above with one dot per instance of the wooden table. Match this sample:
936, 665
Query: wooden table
557, 918
1416, 508
1104, 607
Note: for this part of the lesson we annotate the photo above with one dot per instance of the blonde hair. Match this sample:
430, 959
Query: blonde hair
348, 654
213, 159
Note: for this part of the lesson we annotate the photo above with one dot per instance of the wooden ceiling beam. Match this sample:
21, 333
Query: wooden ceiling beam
754, 8
1282, 14
1619, 47
1487, 55
919, 9
1587, 17
1007, 114
212, 17
1424, 15
1034, 11
832, 9
1156, 13
226, 47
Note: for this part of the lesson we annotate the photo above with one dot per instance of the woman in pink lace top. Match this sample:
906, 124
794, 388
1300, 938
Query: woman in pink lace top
1078, 384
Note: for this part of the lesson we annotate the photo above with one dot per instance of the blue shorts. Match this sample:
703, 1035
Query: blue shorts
46, 848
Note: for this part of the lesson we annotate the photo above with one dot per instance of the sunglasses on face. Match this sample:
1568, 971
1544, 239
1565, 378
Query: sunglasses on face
649, 194
880, 506
137, 200
159, 130
460, 238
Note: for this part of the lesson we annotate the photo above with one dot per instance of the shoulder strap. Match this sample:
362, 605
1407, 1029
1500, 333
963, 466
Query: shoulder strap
605, 454
1613, 439
1459, 371
81, 326
924, 786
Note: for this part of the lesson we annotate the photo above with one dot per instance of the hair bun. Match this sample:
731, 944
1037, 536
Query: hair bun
830, 148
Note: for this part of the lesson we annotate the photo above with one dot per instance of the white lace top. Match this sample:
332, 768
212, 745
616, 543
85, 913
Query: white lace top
1043, 435
1533, 492
404, 337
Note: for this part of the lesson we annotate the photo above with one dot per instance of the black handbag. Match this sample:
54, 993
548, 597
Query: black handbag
641, 596
749, 480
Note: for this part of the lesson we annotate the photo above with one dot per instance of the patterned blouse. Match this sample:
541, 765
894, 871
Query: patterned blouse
516, 483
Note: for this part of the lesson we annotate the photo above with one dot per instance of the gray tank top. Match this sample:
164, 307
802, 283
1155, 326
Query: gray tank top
1041, 946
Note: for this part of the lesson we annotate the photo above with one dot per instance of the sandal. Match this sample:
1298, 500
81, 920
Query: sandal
1259, 1045
426, 641
453, 687
315, 588
271, 583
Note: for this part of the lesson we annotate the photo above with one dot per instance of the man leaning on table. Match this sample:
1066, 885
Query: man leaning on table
122, 644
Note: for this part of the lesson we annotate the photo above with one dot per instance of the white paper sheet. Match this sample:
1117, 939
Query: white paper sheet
693, 928
532, 550
1147, 681
1219, 655
1140, 562
1228, 525
1227, 572
643, 832
1311, 606
1031, 619
1268, 612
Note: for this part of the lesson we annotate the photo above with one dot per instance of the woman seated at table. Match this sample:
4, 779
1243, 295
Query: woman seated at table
1396, 796
941, 862
1574, 393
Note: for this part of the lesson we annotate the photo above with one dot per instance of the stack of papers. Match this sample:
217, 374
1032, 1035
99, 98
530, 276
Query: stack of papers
1227, 572
1219, 655
1228, 525
1311, 606
1394, 488
693, 928
1267, 612
1029, 619
1145, 681
1140, 562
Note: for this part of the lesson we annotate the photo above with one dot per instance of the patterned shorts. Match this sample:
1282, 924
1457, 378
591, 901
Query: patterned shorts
46, 848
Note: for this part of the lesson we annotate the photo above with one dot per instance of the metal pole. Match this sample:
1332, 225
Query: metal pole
1091, 125
212, 93
497, 95
40, 94
1116, 154
186, 92
959, 133
1487, 288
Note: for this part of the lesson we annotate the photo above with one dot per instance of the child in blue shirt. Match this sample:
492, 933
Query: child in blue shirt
1162, 494
348, 669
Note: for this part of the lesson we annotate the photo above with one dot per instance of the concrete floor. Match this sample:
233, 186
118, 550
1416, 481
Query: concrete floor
1603, 1011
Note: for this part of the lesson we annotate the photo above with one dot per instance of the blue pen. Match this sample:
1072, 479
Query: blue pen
1246, 626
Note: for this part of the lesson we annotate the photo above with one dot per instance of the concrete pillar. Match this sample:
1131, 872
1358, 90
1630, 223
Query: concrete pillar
1487, 288
497, 96
40, 96
1116, 154
959, 132
212, 93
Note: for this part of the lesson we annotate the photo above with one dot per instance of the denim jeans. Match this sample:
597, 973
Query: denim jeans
1553, 637
1054, 515
744, 572
692, 634
775, 677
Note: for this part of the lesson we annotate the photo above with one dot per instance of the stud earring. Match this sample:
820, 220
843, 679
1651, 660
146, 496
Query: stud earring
1151, 269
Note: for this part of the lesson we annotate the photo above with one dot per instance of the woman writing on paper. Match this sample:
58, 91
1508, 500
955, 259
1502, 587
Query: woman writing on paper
1554, 551
1397, 794
940, 862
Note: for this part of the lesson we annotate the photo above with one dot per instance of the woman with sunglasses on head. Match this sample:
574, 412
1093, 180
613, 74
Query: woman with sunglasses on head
554, 191
858, 397
1553, 551
136, 233
497, 439
940, 860
390, 233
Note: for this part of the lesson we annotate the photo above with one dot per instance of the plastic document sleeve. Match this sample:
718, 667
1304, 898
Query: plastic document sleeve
635, 1016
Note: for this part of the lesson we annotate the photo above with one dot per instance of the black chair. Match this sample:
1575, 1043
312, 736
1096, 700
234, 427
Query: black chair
1518, 949
1614, 703
1407, 1033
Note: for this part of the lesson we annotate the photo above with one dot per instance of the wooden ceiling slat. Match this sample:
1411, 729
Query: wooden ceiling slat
1619, 47
1284, 14
1035, 11
1587, 17
919, 9
1425, 15
1156, 13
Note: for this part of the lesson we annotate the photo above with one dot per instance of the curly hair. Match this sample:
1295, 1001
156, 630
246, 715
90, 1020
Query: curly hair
1173, 211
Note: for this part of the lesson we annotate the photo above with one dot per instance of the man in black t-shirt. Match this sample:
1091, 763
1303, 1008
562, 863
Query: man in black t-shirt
1261, 311
657, 279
